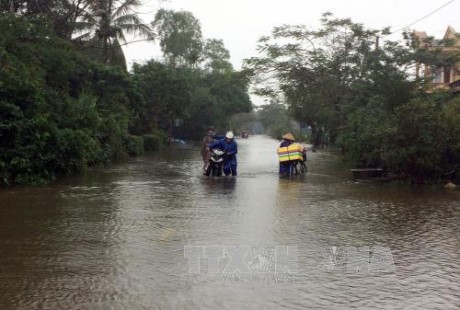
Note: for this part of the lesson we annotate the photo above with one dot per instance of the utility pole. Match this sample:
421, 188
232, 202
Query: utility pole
11, 6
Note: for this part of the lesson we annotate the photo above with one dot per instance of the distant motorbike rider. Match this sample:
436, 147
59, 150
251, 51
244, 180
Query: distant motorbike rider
229, 146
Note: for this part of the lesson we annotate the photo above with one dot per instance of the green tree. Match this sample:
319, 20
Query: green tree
59, 112
275, 119
339, 79
105, 25
167, 92
216, 56
191, 95
180, 37
63, 14
324, 74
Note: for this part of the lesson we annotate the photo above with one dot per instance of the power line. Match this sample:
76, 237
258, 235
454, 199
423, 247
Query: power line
426, 16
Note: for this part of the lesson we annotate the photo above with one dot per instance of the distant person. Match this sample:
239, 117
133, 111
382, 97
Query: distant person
206, 142
286, 166
229, 146
450, 185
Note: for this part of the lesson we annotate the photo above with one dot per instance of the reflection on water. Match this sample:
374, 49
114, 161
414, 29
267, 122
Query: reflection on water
115, 237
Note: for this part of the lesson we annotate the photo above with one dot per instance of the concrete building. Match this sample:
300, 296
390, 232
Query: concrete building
440, 76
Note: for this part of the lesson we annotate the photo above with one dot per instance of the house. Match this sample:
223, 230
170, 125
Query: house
440, 76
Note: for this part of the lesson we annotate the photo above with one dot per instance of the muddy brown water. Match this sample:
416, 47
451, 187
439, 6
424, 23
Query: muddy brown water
121, 238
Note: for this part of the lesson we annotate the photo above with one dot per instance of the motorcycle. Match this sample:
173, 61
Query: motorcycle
216, 160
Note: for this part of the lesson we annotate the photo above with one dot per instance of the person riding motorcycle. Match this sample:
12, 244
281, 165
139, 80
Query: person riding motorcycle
229, 146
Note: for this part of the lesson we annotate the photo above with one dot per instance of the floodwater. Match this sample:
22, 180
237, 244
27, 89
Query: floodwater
140, 235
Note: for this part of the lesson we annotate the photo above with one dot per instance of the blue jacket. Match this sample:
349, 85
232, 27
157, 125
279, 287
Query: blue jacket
230, 148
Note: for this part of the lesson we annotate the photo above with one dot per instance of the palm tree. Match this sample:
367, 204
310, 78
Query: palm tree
104, 25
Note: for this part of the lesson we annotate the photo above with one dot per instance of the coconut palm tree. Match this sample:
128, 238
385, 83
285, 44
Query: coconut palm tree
104, 26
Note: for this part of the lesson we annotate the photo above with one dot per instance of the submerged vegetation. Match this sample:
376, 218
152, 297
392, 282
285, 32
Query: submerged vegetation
364, 94
68, 103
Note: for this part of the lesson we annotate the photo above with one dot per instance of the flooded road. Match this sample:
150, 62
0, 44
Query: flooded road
147, 235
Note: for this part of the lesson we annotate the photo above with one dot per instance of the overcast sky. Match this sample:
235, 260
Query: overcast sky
240, 23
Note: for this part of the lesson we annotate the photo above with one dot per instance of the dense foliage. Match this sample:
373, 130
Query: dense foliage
64, 108
59, 112
341, 80
67, 101
187, 100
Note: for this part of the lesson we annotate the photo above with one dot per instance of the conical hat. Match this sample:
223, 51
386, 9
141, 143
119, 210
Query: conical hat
289, 136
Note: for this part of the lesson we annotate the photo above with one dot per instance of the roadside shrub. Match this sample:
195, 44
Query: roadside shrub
421, 139
427, 142
76, 151
155, 140
368, 136
134, 145
59, 111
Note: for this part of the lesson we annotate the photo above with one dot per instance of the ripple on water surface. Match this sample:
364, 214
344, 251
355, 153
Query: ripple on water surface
115, 237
